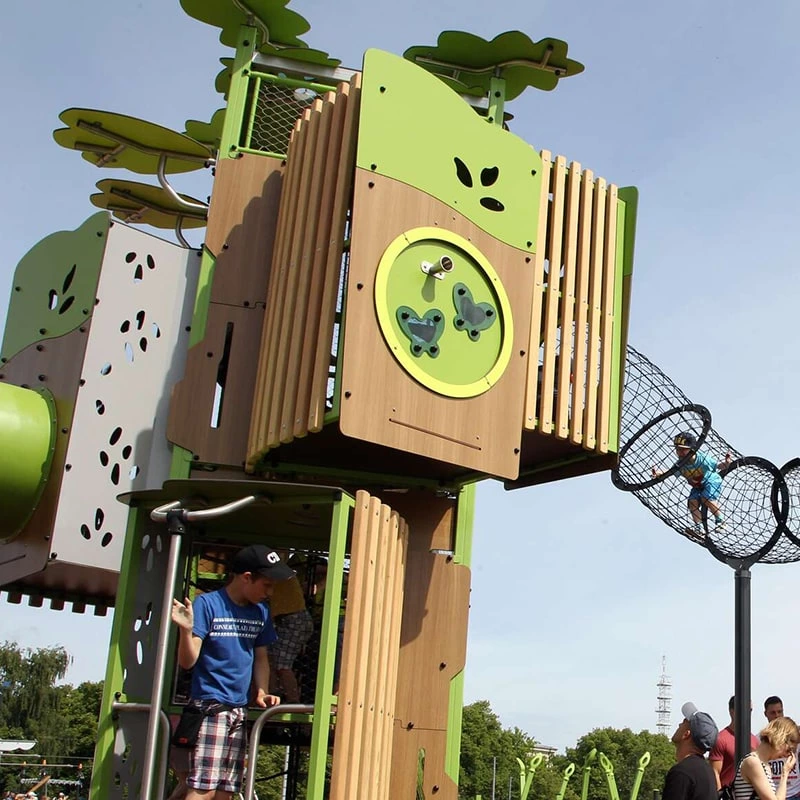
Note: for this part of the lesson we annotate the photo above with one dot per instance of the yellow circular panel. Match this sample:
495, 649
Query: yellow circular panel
443, 312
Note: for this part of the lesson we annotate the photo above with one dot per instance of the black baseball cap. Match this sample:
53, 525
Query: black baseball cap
261, 560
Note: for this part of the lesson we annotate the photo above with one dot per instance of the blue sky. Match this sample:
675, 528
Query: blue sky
577, 589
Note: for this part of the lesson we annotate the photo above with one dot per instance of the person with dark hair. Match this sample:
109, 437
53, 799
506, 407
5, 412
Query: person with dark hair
692, 778
723, 755
702, 473
773, 707
223, 638
779, 739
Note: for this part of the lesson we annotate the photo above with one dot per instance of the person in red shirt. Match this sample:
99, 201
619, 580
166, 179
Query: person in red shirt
723, 755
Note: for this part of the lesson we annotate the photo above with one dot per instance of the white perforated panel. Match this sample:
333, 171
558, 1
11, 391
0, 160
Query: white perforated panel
136, 352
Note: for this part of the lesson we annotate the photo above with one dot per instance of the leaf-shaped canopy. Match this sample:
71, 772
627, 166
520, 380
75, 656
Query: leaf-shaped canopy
107, 139
222, 83
207, 133
276, 23
304, 55
467, 63
131, 201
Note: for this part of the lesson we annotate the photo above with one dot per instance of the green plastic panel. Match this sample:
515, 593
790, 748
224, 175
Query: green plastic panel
142, 203
27, 431
54, 285
461, 344
512, 56
277, 25
414, 129
101, 145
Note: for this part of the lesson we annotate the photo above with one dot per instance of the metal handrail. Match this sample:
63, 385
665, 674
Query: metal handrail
165, 733
255, 735
160, 514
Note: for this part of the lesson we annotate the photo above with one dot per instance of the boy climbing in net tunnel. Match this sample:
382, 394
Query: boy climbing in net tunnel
702, 473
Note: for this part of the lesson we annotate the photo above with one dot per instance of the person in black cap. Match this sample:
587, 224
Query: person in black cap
692, 777
223, 638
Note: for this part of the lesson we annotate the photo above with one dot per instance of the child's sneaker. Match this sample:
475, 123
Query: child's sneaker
695, 531
719, 524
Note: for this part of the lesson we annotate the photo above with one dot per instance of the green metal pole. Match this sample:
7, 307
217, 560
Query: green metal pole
237, 93
497, 101
324, 697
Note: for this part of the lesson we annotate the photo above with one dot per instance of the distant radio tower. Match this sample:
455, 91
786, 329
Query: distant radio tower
664, 700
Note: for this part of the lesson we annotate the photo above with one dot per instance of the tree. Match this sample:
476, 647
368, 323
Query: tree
484, 739
624, 748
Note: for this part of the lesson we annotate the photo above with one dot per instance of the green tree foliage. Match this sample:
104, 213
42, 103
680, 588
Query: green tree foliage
624, 748
61, 719
483, 739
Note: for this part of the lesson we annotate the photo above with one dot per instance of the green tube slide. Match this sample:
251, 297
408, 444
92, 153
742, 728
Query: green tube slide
28, 434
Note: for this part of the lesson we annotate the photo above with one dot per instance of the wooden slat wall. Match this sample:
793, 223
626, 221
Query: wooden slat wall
573, 317
291, 385
368, 686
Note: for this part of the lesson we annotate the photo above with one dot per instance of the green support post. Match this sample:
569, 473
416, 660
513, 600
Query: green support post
103, 769
623, 268
497, 101
324, 697
465, 514
237, 93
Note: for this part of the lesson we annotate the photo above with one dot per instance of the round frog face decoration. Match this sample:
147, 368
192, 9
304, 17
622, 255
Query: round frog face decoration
443, 312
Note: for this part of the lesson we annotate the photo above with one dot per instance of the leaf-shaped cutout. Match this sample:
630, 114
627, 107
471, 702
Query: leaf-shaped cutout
66, 305
489, 175
69, 278
492, 203
462, 170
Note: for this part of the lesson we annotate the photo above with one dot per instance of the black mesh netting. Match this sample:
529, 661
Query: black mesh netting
759, 503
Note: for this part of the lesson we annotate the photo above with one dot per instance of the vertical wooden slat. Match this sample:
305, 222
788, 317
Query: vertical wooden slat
607, 319
595, 296
388, 653
365, 579
296, 331
264, 377
531, 389
344, 184
376, 666
568, 299
350, 654
558, 190
581, 307
282, 371
395, 591
320, 256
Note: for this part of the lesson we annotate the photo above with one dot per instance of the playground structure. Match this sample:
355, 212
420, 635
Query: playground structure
382, 314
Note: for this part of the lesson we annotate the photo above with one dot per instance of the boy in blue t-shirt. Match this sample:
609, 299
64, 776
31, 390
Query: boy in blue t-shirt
223, 638
702, 474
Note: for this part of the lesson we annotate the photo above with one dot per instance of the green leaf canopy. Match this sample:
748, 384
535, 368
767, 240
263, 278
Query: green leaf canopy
107, 139
467, 63
131, 201
207, 133
277, 24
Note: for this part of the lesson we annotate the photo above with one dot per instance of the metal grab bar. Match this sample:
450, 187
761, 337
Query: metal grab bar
160, 514
165, 733
255, 735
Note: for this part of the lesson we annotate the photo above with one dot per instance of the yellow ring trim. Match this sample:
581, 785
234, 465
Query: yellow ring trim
408, 362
